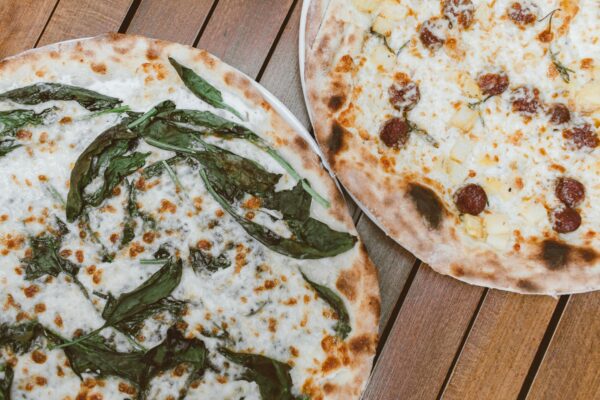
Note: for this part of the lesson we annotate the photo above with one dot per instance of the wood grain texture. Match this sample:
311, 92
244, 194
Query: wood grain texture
282, 75
241, 32
393, 264
571, 366
500, 347
178, 22
81, 18
22, 24
424, 339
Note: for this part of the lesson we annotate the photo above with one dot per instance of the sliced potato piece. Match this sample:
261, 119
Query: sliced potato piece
464, 118
588, 97
366, 5
496, 224
473, 226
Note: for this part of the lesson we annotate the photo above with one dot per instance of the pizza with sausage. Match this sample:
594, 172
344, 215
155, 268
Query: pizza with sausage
166, 234
469, 130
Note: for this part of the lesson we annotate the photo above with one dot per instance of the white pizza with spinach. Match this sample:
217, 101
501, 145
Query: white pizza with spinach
165, 234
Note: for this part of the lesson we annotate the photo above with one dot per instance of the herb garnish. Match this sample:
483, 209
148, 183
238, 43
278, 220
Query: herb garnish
6, 381
49, 91
13, 120
561, 68
342, 327
201, 88
415, 128
272, 376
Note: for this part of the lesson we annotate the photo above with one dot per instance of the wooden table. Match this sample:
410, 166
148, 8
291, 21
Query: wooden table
440, 338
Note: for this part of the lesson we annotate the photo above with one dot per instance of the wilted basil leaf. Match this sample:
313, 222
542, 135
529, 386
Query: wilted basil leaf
111, 144
46, 260
272, 376
44, 92
95, 356
342, 327
201, 260
20, 338
159, 286
6, 381
13, 120
8, 145
201, 88
135, 323
174, 351
305, 245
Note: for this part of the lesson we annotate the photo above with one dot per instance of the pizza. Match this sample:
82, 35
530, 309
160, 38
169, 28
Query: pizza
468, 129
166, 234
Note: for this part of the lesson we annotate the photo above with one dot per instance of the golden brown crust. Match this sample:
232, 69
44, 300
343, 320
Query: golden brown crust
416, 219
148, 57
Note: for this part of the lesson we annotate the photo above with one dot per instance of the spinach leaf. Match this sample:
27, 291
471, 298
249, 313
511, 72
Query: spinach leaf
44, 92
272, 376
13, 120
173, 351
132, 325
21, 338
111, 144
342, 327
159, 286
46, 260
6, 381
201, 88
212, 124
8, 145
118, 168
294, 204
94, 355
158, 168
201, 260
304, 245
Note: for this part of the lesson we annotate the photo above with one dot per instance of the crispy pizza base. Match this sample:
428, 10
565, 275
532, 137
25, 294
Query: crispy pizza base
116, 55
399, 204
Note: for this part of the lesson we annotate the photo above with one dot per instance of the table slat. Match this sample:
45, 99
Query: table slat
163, 20
245, 31
571, 366
501, 346
282, 75
393, 262
22, 24
81, 18
425, 338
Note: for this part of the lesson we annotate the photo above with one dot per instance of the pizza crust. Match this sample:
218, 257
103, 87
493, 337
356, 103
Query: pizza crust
114, 54
550, 267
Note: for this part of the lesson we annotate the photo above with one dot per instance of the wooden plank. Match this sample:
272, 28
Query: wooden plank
180, 22
22, 24
241, 32
81, 18
425, 338
393, 264
501, 346
571, 366
282, 75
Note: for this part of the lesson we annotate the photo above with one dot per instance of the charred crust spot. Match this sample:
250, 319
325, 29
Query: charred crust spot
362, 344
457, 270
335, 143
301, 143
428, 204
346, 284
588, 255
336, 102
527, 286
555, 254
